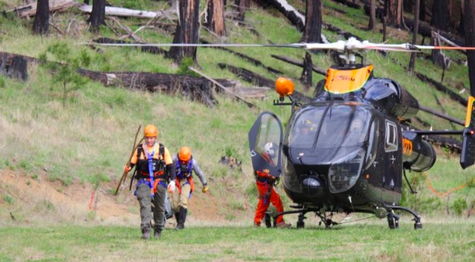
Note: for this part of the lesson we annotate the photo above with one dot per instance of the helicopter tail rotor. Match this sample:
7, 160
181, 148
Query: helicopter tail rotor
467, 157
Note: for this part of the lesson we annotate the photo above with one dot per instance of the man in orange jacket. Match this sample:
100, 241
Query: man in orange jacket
265, 185
155, 172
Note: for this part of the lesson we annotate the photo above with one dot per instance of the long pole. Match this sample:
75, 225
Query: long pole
124, 174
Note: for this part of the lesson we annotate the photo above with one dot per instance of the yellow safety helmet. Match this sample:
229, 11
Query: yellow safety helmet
150, 131
184, 154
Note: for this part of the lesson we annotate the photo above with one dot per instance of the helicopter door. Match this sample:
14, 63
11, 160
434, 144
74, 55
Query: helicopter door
265, 143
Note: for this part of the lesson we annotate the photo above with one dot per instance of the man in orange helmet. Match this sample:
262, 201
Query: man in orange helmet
265, 186
154, 169
184, 167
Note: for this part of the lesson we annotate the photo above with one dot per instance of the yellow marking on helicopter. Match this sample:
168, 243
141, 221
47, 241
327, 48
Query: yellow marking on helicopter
470, 109
406, 146
339, 81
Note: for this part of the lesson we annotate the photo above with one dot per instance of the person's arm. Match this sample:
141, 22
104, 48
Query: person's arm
199, 173
169, 165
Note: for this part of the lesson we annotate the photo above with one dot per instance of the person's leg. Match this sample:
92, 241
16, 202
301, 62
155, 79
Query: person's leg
159, 209
185, 194
263, 203
176, 204
145, 201
277, 202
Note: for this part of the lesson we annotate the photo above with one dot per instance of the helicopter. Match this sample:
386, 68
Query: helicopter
347, 149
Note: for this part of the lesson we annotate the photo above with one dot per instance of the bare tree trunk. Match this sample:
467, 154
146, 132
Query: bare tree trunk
414, 35
393, 14
187, 30
215, 17
440, 14
98, 14
242, 6
372, 15
41, 23
469, 22
312, 34
422, 13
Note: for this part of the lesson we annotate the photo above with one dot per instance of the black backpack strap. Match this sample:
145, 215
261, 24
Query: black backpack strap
161, 151
139, 151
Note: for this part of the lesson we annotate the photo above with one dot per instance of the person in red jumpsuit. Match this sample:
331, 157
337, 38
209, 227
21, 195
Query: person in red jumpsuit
267, 194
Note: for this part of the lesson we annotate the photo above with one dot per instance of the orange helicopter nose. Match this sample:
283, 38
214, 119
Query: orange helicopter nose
284, 86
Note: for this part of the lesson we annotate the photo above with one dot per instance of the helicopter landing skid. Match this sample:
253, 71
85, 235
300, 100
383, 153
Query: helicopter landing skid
300, 221
393, 219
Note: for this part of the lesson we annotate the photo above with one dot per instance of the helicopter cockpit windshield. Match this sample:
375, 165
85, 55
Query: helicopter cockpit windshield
329, 133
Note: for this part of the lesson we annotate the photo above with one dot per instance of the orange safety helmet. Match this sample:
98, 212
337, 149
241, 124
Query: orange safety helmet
284, 86
184, 154
150, 131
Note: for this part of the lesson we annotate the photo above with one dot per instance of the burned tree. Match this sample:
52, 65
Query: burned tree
414, 36
41, 23
98, 14
215, 17
187, 30
469, 21
393, 12
311, 34
372, 15
440, 14
242, 6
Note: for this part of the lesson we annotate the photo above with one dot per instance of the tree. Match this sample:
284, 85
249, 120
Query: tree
215, 17
414, 35
41, 23
242, 6
469, 21
440, 15
372, 15
312, 34
98, 14
65, 69
393, 12
187, 30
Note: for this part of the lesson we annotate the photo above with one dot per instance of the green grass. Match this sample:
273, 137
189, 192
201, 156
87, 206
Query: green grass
358, 242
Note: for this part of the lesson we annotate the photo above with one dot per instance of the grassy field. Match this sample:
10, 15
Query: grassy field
353, 242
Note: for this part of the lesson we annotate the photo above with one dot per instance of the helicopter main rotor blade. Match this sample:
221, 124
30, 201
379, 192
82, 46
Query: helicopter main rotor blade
347, 45
295, 45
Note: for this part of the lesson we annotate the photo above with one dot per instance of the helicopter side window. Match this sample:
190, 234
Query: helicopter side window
391, 141
373, 142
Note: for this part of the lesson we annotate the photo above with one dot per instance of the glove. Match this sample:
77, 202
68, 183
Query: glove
205, 189
171, 187
127, 168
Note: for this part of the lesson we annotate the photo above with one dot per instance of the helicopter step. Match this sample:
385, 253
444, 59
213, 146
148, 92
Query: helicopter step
393, 219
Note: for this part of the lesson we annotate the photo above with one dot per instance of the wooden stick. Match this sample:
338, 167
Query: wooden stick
124, 174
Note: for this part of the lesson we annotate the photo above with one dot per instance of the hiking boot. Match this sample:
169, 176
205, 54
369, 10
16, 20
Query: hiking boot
157, 233
283, 225
182, 218
146, 233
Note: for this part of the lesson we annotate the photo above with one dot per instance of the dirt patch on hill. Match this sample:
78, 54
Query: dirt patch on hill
26, 199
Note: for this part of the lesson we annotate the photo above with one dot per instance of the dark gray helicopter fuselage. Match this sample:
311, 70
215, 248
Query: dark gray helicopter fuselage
342, 156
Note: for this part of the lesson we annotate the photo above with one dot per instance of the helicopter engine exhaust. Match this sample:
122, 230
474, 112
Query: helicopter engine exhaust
418, 154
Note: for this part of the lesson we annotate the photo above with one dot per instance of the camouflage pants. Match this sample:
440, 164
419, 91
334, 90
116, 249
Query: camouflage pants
149, 206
